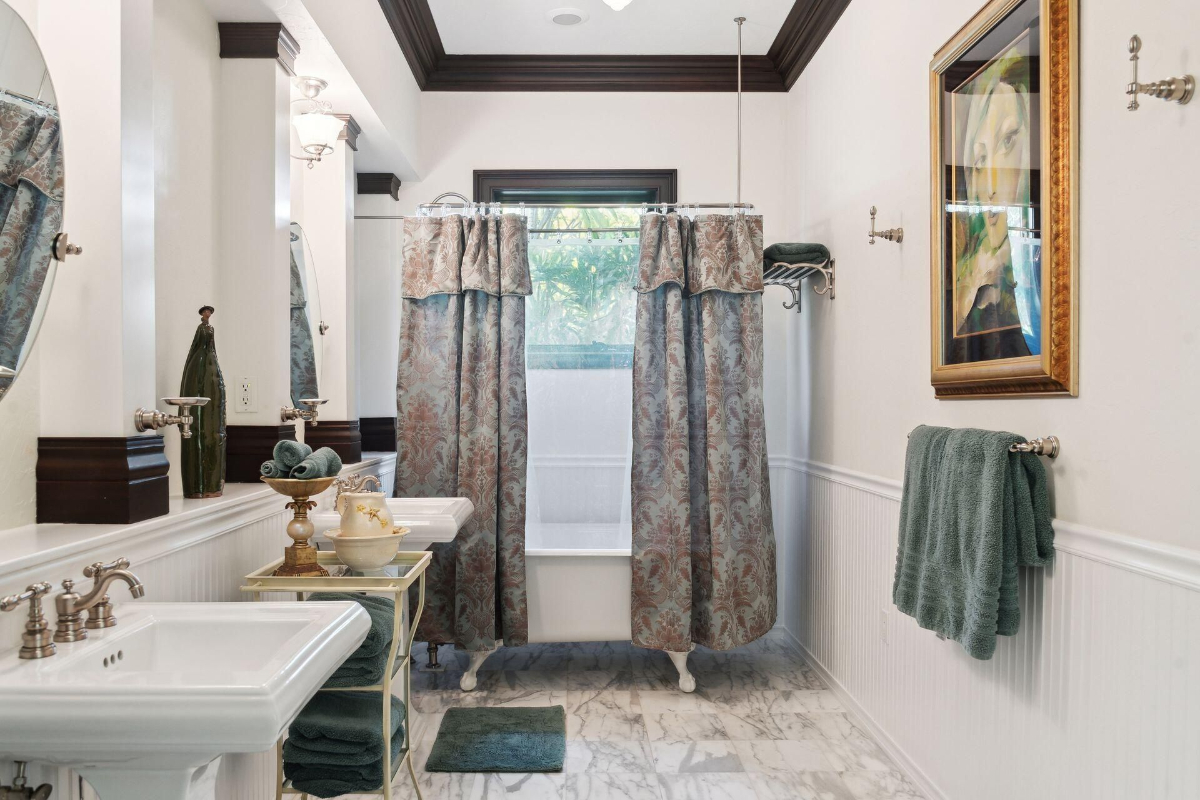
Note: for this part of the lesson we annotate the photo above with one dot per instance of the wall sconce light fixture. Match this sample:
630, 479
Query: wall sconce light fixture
316, 128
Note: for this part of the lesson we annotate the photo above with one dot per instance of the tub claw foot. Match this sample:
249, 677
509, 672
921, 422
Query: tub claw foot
470, 678
687, 681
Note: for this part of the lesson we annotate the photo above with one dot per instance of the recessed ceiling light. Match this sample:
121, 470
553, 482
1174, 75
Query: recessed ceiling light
567, 16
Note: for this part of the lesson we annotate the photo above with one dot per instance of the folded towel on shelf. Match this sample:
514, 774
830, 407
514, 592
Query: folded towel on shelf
795, 253
322, 463
288, 453
365, 667
971, 513
273, 469
335, 746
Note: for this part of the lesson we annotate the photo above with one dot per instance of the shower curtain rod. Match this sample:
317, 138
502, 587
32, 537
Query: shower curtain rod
526, 206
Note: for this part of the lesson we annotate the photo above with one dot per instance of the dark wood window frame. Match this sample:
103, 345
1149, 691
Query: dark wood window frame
576, 185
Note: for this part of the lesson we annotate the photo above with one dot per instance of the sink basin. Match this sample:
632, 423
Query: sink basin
429, 520
141, 710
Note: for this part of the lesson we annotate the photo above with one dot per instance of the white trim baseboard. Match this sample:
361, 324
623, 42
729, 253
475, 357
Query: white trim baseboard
1176, 565
859, 714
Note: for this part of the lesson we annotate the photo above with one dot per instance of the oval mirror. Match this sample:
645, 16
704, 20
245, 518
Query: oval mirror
31, 192
308, 329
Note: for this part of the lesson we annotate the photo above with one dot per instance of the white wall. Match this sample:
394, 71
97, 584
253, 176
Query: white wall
1092, 698
1128, 438
694, 133
377, 255
186, 76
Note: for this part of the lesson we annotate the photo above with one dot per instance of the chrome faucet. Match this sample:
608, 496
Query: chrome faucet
71, 605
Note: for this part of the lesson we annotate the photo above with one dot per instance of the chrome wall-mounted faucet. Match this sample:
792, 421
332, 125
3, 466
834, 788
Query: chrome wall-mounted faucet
35, 641
287, 413
70, 604
153, 419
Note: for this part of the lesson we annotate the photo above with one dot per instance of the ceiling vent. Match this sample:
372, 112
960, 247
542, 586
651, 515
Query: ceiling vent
567, 16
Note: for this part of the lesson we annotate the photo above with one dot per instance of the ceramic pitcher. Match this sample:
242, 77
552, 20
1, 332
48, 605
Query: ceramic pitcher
364, 514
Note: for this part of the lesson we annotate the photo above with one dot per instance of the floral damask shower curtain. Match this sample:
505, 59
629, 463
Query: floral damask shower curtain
703, 540
461, 417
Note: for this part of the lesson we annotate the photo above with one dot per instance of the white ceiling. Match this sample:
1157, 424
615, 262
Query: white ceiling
644, 27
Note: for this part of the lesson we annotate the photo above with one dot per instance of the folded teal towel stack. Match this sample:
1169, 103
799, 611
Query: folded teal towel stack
795, 253
273, 469
368, 663
322, 463
289, 453
971, 513
335, 746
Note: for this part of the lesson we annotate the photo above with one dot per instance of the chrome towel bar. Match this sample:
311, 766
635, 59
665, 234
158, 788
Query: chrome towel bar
1042, 447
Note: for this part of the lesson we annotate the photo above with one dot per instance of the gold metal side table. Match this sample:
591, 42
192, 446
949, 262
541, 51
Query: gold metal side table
394, 580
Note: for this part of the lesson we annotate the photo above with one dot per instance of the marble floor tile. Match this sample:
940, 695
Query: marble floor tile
523, 786
586, 755
761, 726
783, 756
714, 786
611, 786
801, 786
673, 726
719, 756
856, 753
874, 785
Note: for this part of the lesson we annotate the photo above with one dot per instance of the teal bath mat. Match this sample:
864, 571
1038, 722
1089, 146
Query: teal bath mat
500, 740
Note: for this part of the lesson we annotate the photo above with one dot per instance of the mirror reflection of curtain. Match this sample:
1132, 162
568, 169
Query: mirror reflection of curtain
31, 198
304, 359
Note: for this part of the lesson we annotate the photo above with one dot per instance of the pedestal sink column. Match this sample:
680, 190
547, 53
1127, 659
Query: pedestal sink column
185, 783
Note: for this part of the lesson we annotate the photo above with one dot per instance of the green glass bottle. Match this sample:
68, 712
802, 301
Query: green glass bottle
203, 454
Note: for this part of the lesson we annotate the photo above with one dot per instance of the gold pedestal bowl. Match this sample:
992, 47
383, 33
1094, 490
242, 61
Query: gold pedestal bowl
300, 558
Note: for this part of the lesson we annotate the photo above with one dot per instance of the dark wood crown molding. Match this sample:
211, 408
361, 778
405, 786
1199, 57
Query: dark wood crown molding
350, 130
379, 183
344, 437
248, 446
378, 434
259, 40
806, 26
802, 34
101, 480
413, 26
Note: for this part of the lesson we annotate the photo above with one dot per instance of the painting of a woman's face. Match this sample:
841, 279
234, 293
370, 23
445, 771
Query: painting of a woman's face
997, 159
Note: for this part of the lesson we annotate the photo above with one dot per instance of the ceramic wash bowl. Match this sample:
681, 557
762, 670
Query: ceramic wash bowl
142, 710
429, 520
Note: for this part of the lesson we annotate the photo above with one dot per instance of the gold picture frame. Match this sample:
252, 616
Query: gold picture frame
1004, 132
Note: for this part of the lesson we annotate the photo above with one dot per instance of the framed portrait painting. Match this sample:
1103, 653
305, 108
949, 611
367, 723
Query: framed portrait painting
1004, 132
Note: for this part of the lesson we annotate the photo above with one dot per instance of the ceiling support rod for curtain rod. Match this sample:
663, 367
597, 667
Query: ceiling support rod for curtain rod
739, 21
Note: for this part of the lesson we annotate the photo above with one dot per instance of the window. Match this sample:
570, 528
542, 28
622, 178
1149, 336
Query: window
582, 260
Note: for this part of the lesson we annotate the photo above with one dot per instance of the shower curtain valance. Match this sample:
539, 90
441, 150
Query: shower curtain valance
449, 255
710, 253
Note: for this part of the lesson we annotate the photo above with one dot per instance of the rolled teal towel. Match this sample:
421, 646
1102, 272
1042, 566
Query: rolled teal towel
382, 612
795, 253
273, 469
289, 453
322, 463
971, 513
335, 746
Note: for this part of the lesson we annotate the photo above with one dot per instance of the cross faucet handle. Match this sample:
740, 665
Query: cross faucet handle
35, 641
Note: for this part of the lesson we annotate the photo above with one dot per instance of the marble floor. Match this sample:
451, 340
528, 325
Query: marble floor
760, 726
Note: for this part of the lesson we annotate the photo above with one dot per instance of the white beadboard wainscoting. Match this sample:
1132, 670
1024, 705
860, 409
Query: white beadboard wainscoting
201, 551
1098, 695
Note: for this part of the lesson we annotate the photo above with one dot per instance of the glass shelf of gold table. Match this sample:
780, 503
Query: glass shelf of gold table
393, 582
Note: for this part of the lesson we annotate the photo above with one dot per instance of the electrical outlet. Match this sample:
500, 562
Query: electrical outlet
245, 396
883, 627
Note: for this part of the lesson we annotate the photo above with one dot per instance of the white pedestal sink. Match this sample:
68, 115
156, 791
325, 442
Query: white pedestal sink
143, 709
428, 519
